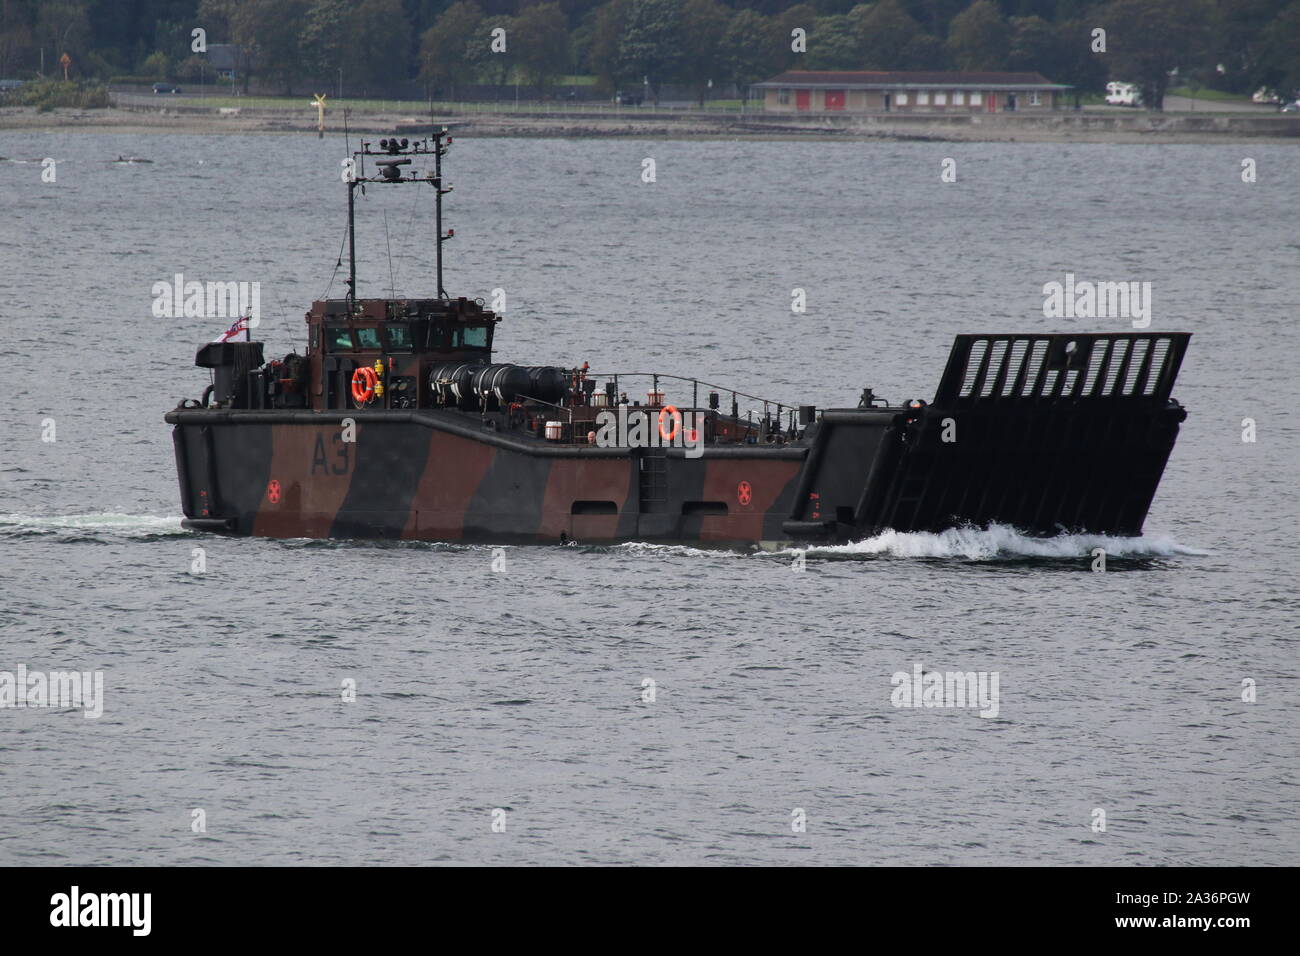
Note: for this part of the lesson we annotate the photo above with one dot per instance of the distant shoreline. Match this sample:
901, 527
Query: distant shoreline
1057, 127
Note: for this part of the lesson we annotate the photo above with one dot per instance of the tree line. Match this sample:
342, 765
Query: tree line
710, 47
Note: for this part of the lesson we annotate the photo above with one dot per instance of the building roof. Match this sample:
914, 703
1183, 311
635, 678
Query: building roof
893, 80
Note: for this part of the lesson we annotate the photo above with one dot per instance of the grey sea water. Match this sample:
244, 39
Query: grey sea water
523, 690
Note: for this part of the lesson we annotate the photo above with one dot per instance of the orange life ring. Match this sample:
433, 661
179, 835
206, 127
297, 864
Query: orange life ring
364, 381
677, 422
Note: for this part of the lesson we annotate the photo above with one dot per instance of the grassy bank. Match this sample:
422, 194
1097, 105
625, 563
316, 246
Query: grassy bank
423, 107
566, 122
46, 95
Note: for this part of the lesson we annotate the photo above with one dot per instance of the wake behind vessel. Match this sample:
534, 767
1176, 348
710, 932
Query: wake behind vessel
396, 423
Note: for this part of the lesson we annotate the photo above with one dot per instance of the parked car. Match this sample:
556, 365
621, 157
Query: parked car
628, 99
1123, 94
165, 88
1290, 107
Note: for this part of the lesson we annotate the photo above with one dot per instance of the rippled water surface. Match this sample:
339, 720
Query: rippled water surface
523, 690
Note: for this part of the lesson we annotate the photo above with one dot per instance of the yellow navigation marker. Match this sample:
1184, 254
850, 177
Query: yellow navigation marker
319, 103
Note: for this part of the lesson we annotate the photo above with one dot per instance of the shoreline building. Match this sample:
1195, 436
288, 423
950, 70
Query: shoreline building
861, 91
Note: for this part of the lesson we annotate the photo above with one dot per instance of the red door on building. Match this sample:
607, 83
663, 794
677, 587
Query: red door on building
802, 99
992, 102
835, 99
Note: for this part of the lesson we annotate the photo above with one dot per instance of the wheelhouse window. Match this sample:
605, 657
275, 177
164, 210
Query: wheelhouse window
473, 336
369, 338
339, 339
397, 336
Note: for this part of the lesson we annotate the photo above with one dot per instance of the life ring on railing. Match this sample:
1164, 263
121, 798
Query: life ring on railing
677, 422
364, 381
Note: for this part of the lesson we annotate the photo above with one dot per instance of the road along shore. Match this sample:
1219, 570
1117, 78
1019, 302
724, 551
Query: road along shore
1056, 127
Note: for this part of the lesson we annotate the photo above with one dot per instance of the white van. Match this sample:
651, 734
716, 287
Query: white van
1123, 94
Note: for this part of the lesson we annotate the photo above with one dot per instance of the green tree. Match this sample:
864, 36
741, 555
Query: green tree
543, 43
752, 47
651, 46
493, 66
1076, 64
15, 38
936, 15
977, 37
834, 8
268, 31
218, 17
378, 50
1149, 39
580, 39
833, 44
704, 25
444, 48
61, 27
172, 37
156, 65
1280, 52
1033, 46
885, 34
1243, 44
193, 69
802, 16
325, 34
605, 57
925, 52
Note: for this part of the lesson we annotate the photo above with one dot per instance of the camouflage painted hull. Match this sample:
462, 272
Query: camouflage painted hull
1075, 447
419, 475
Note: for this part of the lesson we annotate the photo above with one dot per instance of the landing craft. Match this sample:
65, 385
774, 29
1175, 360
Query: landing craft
396, 423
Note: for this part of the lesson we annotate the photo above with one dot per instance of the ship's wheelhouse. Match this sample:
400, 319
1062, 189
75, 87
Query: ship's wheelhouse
402, 339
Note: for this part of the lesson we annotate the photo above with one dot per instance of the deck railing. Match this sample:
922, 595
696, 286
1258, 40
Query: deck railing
781, 408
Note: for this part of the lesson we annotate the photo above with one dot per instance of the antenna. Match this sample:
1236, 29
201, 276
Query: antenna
397, 153
392, 282
352, 243
439, 149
